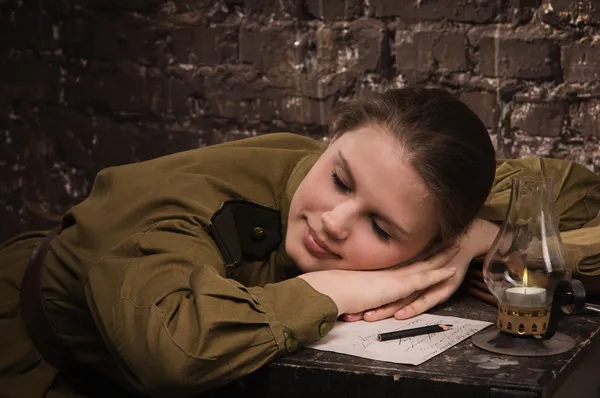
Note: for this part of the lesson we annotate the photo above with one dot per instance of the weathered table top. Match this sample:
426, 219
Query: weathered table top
312, 373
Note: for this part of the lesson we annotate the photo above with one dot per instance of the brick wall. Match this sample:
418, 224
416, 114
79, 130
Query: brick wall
85, 84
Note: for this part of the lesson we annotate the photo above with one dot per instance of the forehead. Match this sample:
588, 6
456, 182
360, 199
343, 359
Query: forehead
384, 177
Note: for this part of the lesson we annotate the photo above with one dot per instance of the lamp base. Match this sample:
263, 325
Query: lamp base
493, 340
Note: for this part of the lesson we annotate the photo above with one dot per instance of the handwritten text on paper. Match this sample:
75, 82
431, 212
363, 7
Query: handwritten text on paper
360, 338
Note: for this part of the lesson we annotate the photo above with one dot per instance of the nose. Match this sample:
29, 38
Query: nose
337, 221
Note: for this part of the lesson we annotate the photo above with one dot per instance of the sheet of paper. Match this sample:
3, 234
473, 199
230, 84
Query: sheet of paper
360, 338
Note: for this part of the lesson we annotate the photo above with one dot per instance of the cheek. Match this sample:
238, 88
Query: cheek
366, 252
317, 194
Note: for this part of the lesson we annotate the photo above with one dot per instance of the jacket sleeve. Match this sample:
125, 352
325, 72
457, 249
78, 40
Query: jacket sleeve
577, 203
178, 327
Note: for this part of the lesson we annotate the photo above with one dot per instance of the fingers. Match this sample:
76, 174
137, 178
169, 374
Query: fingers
352, 317
423, 280
426, 301
438, 293
413, 295
389, 310
435, 262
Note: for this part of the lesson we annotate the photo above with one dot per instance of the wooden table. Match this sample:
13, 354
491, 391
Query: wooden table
312, 373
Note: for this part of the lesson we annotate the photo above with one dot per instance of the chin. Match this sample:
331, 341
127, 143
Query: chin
308, 263
303, 261
296, 251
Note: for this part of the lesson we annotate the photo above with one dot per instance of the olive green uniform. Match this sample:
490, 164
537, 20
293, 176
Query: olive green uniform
138, 289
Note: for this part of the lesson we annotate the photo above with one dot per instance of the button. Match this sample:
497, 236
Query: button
324, 328
290, 343
258, 233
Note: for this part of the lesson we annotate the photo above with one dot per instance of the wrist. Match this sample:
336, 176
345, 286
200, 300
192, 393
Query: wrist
324, 282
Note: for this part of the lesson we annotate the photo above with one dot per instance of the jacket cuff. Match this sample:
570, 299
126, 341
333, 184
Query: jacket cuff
296, 312
583, 249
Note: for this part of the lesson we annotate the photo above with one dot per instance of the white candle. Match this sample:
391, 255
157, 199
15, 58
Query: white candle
526, 296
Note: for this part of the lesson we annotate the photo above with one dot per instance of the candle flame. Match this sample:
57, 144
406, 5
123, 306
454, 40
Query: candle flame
525, 277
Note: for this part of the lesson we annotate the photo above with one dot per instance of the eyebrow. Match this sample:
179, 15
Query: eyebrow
348, 172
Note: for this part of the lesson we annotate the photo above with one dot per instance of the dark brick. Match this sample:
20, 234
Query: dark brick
31, 29
159, 141
462, 10
75, 38
307, 110
250, 110
236, 91
74, 135
33, 79
97, 37
84, 85
6, 29
126, 91
137, 5
178, 96
581, 62
15, 135
22, 22
269, 47
523, 145
538, 119
109, 37
202, 13
316, 86
5, 84
120, 90
31, 145
205, 45
169, 95
292, 59
356, 47
216, 45
182, 40
430, 48
274, 9
520, 11
114, 143
371, 85
578, 11
109, 83
484, 104
523, 57
137, 41
220, 133
335, 10
93, 141
585, 117
523, 3
237, 82
10, 208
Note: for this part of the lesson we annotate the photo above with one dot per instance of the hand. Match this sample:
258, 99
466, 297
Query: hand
356, 291
475, 242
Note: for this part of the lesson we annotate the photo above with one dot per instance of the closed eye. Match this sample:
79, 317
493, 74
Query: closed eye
378, 230
339, 184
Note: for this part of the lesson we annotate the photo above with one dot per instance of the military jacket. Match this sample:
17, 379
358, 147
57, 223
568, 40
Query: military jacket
164, 302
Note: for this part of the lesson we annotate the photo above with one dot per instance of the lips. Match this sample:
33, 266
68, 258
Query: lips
316, 246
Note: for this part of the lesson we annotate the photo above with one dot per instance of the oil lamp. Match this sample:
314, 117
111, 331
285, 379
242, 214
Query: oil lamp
526, 271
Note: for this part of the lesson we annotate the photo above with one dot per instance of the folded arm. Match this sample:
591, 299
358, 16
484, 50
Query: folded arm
175, 324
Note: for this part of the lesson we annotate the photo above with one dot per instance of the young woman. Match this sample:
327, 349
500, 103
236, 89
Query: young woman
183, 273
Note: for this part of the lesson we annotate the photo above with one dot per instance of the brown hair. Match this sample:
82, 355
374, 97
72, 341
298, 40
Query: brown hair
448, 146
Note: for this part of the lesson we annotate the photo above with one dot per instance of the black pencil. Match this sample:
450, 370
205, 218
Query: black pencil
401, 334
